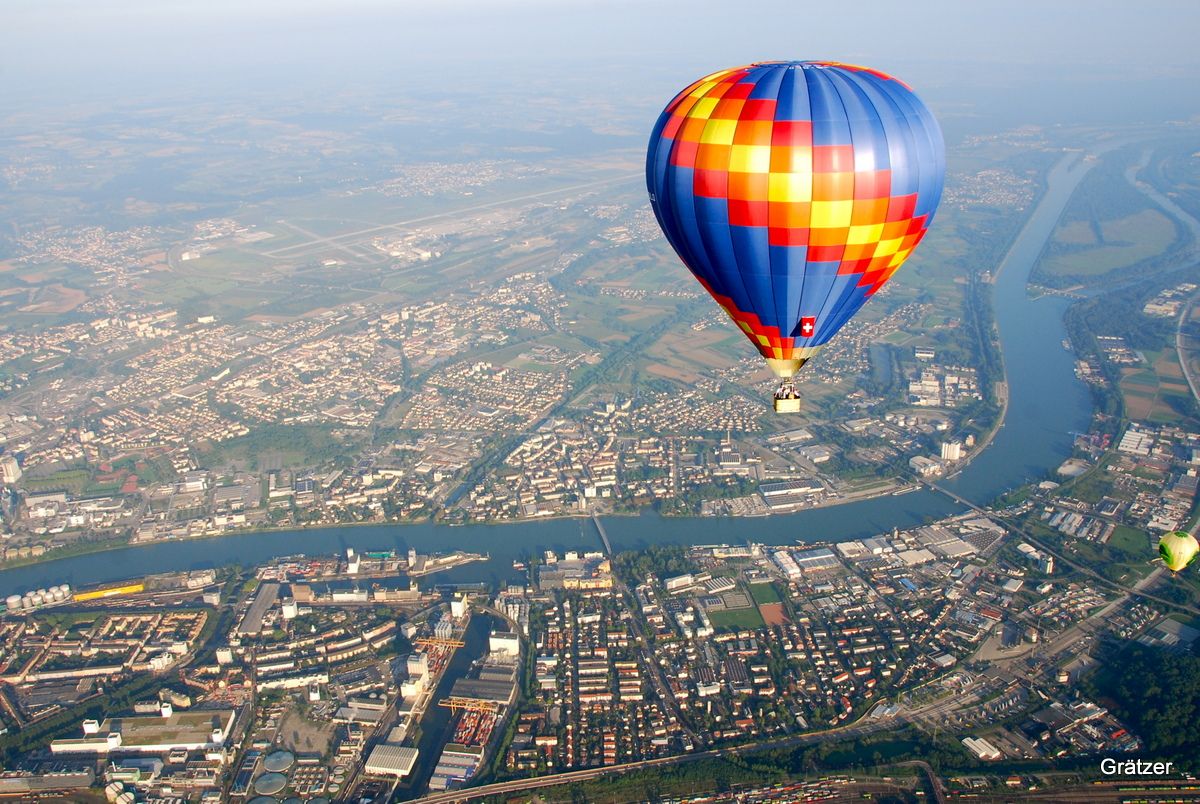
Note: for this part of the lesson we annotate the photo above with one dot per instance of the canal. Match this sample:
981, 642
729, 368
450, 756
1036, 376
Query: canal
435, 725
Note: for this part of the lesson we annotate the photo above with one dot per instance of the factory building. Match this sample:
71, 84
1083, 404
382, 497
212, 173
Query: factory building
151, 734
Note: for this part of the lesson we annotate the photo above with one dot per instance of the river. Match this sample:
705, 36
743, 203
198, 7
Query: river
1046, 403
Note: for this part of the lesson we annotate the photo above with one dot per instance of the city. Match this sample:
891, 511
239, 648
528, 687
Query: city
365, 435
328, 674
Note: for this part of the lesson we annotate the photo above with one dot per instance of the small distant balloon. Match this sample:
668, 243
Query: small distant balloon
1178, 549
793, 191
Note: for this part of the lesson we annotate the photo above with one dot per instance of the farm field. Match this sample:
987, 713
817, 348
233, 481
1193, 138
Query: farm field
1095, 248
1157, 392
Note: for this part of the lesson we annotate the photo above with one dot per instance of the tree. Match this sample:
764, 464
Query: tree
1157, 692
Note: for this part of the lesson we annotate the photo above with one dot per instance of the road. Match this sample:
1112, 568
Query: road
1070, 637
603, 535
1001, 391
1181, 347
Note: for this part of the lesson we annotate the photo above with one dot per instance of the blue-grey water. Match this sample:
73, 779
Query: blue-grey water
1046, 403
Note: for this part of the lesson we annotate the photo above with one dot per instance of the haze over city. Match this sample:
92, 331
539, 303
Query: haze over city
364, 436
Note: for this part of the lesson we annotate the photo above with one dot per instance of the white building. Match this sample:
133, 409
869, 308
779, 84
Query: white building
923, 466
151, 734
504, 643
982, 748
787, 565
951, 450
413, 687
1135, 442
679, 582
417, 665
10, 470
391, 760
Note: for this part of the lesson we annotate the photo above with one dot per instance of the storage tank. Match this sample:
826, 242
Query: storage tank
13, 602
43, 592
126, 798
27, 602
39, 599
56, 594
66, 587
113, 790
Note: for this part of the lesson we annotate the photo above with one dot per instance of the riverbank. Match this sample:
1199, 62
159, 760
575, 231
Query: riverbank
892, 487
503, 543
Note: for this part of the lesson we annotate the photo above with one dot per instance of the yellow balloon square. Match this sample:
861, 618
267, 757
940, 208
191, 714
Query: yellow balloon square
719, 132
750, 159
831, 214
789, 187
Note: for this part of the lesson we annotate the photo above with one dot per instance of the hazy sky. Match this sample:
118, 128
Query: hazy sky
68, 50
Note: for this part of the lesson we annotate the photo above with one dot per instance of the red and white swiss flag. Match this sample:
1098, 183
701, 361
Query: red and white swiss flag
808, 326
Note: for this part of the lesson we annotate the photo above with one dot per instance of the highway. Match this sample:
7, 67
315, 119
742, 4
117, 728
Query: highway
1181, 347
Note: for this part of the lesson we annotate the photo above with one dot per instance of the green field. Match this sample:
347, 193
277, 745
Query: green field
1080, 249
764, 593
1157, 393
1091, 487
72, 480
1110, 223
1131, 540
736, 619
282, 446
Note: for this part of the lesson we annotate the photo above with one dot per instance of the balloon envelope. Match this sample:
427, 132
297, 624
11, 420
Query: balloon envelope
1178, 549
793, 191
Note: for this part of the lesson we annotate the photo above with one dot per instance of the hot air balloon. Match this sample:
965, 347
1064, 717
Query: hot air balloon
793, 191
1178, 549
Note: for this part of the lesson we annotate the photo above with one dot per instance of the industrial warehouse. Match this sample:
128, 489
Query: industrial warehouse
200, 730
